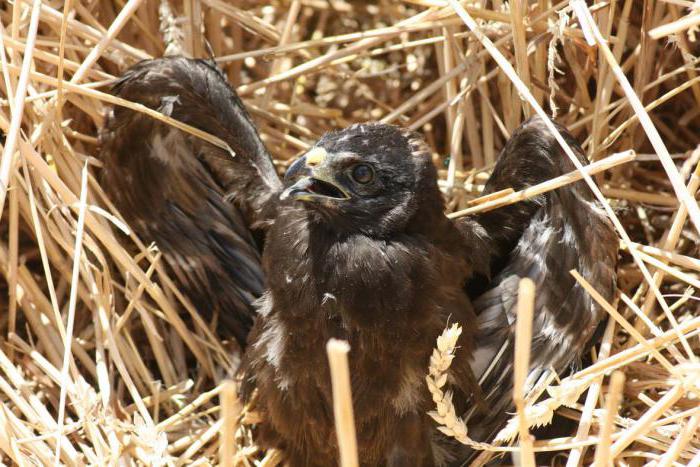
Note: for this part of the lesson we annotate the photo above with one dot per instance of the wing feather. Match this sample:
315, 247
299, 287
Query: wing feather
205, 209
542, 239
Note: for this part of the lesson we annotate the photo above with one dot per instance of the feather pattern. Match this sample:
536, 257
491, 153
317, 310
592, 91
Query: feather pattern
171, 186
553, 234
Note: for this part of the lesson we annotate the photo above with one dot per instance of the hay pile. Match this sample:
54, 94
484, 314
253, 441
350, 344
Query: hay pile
139, 386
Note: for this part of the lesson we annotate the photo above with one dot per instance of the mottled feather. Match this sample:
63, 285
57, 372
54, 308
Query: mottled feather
552, 234
170, 186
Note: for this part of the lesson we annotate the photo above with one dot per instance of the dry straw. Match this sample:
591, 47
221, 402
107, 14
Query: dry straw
342, 401
98, 364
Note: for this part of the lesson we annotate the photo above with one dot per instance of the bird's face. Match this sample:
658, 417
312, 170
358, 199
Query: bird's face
369, 178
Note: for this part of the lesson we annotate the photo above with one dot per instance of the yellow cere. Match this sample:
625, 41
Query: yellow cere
315, 157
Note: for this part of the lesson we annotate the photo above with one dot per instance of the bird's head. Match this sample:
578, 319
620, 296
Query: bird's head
370, 178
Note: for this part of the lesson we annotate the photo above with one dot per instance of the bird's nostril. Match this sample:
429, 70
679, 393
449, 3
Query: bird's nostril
315, 157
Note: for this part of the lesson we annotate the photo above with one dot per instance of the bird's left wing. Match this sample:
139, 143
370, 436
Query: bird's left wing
205, 207
543, 239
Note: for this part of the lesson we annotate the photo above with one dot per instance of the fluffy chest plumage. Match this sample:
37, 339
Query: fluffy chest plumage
318, 273
389, 298
380, 295
291, 373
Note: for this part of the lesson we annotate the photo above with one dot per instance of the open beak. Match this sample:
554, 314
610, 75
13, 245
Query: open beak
312, 181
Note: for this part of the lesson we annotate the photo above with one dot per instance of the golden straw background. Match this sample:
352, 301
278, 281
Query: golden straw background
103, 361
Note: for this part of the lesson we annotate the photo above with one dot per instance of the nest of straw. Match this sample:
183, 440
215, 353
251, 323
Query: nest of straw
138, 386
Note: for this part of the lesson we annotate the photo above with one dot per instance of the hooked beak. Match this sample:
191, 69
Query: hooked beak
312, 180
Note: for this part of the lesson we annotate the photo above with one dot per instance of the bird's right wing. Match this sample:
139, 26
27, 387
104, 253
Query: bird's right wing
204, 207
543, 239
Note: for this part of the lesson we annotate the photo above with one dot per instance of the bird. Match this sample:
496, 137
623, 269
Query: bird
354, 243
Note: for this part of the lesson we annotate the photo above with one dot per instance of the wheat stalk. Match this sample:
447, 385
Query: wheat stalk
444, 414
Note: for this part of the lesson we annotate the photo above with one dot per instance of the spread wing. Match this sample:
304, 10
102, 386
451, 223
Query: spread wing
543, 238
204, 208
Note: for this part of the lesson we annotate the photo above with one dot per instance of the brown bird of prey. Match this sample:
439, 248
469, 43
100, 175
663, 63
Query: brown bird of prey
354, 244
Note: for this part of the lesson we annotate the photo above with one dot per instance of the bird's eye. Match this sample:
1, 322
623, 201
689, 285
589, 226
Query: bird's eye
362, 173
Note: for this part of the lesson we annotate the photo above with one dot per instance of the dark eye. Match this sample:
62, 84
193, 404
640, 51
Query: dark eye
362, 173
